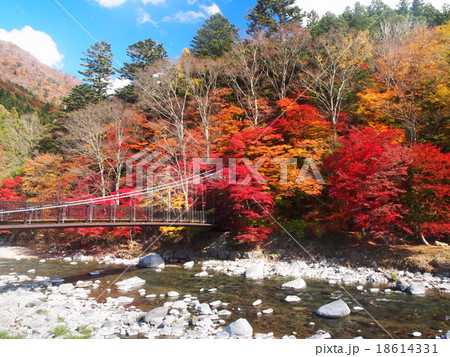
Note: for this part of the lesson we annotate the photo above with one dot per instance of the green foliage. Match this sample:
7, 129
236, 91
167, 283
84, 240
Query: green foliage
127, 94
6, 336
269, 15
99, 66
80, 97
214, 38
42, 312
142, 53
59, 331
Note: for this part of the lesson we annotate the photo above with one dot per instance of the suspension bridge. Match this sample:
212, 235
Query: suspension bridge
108, 212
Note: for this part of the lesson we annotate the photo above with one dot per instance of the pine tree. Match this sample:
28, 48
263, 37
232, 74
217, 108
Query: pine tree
99, 66
214, 38
80, 96
269, 15
142, 53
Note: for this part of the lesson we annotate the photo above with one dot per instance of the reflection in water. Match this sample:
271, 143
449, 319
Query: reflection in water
399, 314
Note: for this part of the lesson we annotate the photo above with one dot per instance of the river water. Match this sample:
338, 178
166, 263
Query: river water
399, 314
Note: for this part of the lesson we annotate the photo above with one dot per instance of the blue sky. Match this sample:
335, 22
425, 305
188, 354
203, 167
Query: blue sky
47, 31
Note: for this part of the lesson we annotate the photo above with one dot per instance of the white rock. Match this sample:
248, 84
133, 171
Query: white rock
172, 294
179, 304
151, 296
31, 271
292, 298
374, 290
257, 302
65, 288
267, 311
202, 274
212, 290
215, 303
239, 328
189, 265
129, 283
294, 284
224, 313
255, 271
358, 308
360, 288
42, 261
416, 334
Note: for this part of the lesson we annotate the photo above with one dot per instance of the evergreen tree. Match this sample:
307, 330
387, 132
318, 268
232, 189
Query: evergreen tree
269, 15
99, 66
142, 53
214, 38
80, 96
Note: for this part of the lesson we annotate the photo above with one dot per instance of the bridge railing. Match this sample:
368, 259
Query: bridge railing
46, 212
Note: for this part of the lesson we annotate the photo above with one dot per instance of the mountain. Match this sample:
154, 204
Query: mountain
45, 83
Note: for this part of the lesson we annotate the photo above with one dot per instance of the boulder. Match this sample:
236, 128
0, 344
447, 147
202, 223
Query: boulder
239, 328
65, 288
296, 284
204, 309
416, 289
156, 314
234, 255
292, 298
334, 310
402, 285
189, 265
255, 271
129, 283
151, 261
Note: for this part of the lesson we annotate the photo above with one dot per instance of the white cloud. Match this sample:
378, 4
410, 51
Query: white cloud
191, 2
188, 17
115, 3
115, 84
210, 10
110, 3
144, 17
154, 2
38, 43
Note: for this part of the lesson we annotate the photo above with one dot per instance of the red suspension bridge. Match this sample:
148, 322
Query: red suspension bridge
106, 212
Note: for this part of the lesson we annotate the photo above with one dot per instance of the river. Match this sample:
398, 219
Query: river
400, 314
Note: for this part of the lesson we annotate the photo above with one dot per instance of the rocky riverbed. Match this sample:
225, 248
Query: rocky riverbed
38, 306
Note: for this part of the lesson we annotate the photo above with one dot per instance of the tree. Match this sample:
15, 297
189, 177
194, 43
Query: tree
20, 138
335, 59
282, 55
45, 178
429, 192
214, 38
369, 174
269, 15
142, 53
99, 138
81, 96
9, 189
411, 70
99, 66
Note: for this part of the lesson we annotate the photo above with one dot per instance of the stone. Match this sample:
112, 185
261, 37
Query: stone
446, 336
155, 314
416, 334
173, 294
267, 311
374, 290
204, 309
151, 296
129, 283
179, 304
292, 298
124, 300
215, 304
319, 335
65, 288
152, 260
234, 255
224, 313
239, 328
257, 302
296, 284
168, 254
416, 289
189, 265
402, 285
202, 274
358, 308
84, 284
334, 310
255, 271
180, 254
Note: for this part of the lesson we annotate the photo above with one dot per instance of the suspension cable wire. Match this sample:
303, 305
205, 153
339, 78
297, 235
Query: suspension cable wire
118, 196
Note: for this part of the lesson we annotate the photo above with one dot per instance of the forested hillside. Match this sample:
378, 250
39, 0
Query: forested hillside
331, 127
45, 83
